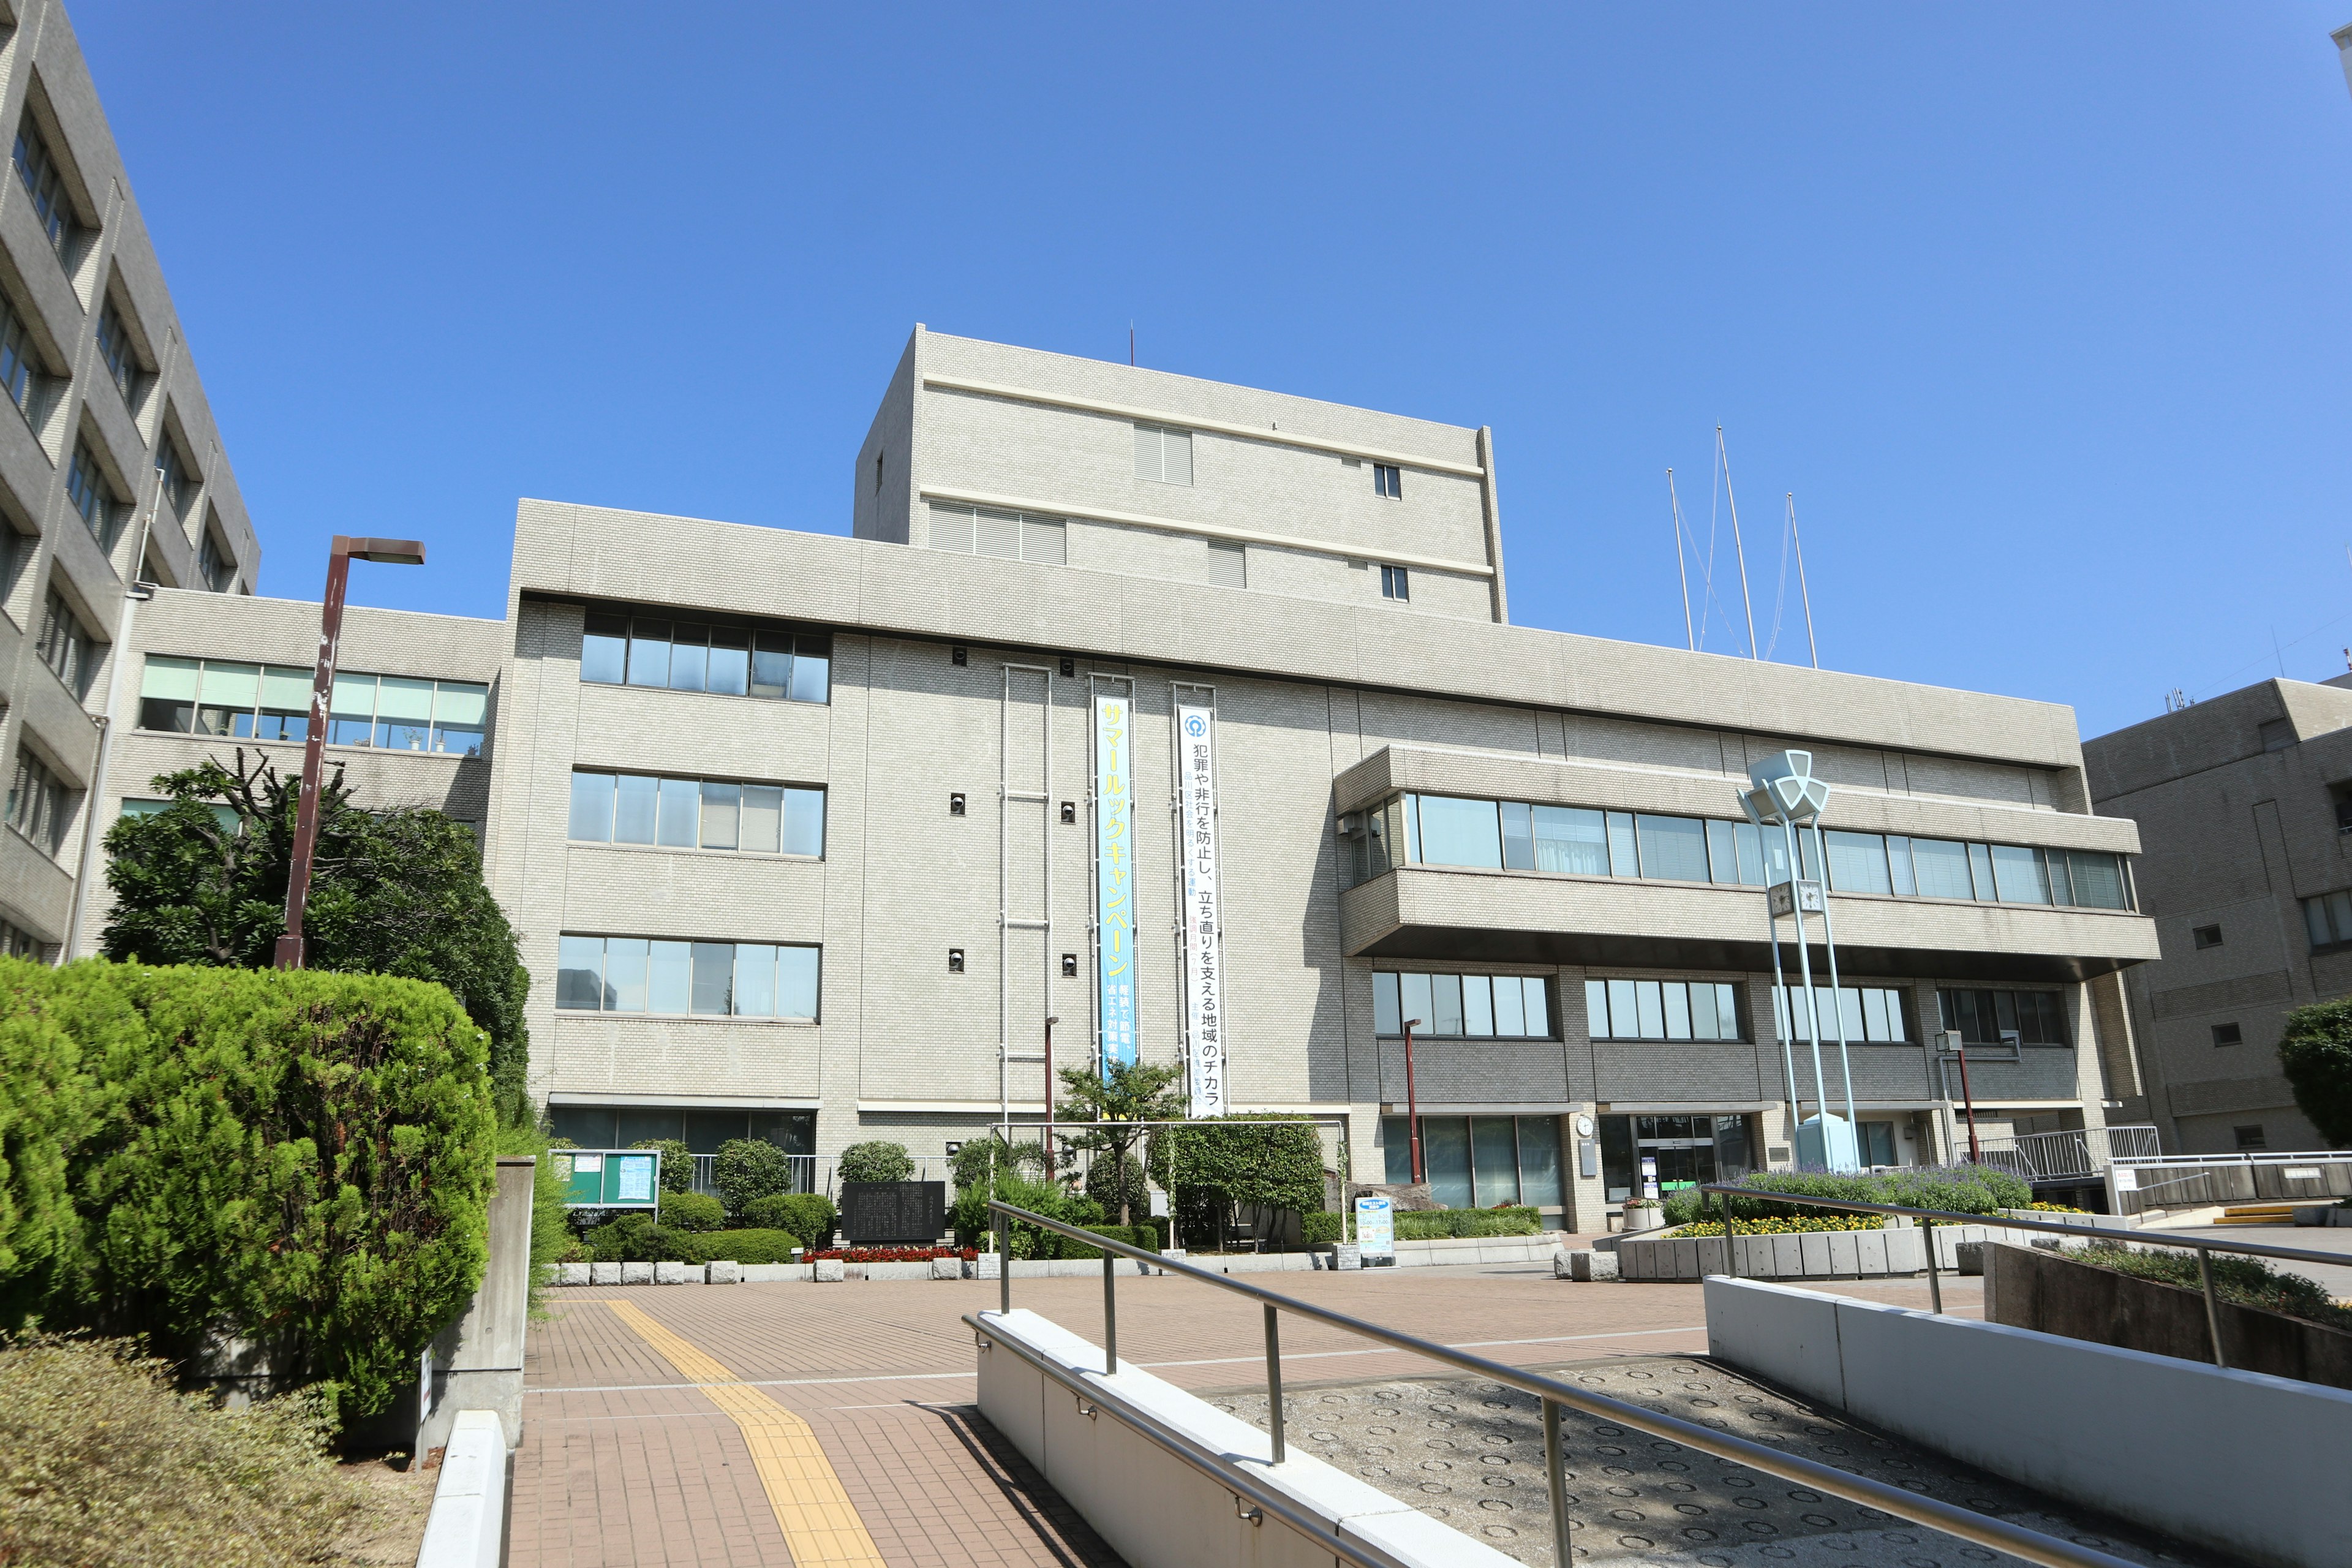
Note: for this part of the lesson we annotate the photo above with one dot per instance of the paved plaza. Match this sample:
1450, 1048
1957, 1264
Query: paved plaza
806, 1423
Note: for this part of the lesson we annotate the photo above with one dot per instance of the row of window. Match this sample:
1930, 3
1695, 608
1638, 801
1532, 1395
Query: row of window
1870, 1012
2036, 1017
687, 979
1498, 1006
696, 814
1478, 1161
39, 803
1453, 830
272, 702
1661, 1010
991, 530
775, 662
69, 651
1164, 455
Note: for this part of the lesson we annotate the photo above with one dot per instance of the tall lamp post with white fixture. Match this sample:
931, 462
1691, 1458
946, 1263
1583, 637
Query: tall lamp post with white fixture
1784, 794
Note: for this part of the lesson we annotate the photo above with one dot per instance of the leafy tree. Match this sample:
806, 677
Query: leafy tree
1112, 1106
677, 1162
981, 1161
1214, 1166
398, 892
875, 1162
749, 1168
2316, 1053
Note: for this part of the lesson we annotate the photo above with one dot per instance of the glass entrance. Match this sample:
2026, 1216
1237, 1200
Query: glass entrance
1687, 1150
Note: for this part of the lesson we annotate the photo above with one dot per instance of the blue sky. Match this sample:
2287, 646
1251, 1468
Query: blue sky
2040, 312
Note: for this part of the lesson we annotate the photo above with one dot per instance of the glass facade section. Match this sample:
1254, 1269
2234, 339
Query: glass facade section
1503, 1007
713, 979
696, 814
779, 663
272, 702
1661, 1010
1982, 1017
1870, 1014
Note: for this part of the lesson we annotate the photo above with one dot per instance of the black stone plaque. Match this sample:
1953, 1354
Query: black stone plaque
907, 1213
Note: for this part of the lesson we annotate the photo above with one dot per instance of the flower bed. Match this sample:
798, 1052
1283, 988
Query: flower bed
1784, 1226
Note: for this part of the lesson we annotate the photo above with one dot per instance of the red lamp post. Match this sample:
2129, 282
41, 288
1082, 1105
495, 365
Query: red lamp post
339, 556
1412, 1101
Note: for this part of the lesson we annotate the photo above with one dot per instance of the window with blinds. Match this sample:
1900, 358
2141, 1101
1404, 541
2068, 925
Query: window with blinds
1228, 565
1163, 455
989, 530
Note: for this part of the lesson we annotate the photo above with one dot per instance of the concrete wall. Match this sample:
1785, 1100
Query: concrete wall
2235, 1460
475, 1363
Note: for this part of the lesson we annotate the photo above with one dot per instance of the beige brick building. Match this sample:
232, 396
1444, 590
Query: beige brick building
803, 833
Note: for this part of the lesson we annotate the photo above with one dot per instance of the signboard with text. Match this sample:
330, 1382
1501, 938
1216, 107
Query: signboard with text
609, 1178
1376, 1226
1204, 970
1115, 876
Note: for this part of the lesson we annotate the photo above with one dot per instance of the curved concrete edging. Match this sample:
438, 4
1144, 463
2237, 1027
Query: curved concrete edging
468, 1525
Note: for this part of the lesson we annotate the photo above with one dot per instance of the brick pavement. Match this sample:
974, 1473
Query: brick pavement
624, 1462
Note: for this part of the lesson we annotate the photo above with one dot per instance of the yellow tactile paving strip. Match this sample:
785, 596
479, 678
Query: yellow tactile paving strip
813, 1511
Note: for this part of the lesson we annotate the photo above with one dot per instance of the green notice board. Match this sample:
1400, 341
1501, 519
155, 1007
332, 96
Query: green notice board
609, 1178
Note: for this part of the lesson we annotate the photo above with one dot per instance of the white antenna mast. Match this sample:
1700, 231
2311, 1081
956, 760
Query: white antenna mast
1724, 458
1794, 538
1690, 636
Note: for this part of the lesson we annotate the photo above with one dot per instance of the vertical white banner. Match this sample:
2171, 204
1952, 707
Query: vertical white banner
1205, 969
1115, 876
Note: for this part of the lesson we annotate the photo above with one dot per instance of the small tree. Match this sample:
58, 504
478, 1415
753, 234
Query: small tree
1113, 1107
749, 1168
875, 1162
2316, 1053
677, 1162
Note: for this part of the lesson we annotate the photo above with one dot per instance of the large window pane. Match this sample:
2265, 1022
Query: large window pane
1774, 843
730, 660
171, 679
763, 817
669, 977
1673, 849
771, 663
1722, 853
1478, 1004
1727, 1012
1596, 1009
1943, 869
648, 652
1678, 1011
2017, 871
689, 656
1624, 1018
681, 813
1981, 871
1510, 1007
804, 822
1858, 863
634, 809
1749, 842
1849, 1004
714, 977
1898, 863
1538, 1000
1418, 1012
721, 806
1570, 840
1649, 1009
351, 710
624, 974
796, 981
755, 980
1396, 1150
604, 649
591, 807
460, 710
580, 972
1518, 837
1702, 1008
1387, 1019
403, 714
231, 686
812, 668
2098, 879
1873, 1013
1445, 1158
1411, 805
1624, 860
1445, 990
1494, 1157
1456, 832
1539, 1161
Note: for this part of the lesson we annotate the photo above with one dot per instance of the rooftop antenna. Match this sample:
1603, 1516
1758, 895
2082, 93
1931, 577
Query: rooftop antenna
1724, 458
1690, 636
1794, 538
1130, 343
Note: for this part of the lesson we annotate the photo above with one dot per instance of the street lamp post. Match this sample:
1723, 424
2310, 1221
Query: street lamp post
1784, 794
1051, 1019
344, 550
1412, 1101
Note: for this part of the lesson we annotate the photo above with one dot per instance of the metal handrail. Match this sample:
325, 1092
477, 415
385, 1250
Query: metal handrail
1979, 1528
2204, 1249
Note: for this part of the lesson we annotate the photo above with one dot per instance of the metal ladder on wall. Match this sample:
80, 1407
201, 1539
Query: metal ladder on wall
1010, 795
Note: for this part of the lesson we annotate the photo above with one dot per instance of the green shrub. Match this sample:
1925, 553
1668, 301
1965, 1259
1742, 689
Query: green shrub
1213, 1167
691, 1211
759, 1246
809, 1214
305, 1156
981, 1158
1112, 1182
639, 1237
749, 1168
2316, 1053
973, 1224
106, 1468
65, 1037
1150, 1232
1322, 1227
2248, 1281
677, 1162
1133, 1234
1954, 1189
875, 1162
1433, 1225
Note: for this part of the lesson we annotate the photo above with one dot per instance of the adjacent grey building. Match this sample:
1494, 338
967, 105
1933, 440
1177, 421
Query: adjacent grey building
112, 477
2244, 804
1143, 712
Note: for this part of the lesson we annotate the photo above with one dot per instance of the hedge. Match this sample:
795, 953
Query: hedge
1956, 1189
301, 1160
748, 1169
691, 1211
759, 1246
1146, 1235
1322, 1227
1433, 1225
809, 1214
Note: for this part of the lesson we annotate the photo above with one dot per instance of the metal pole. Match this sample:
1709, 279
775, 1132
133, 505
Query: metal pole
1003, 1264
1274, 1380
2212, 1304
314, 754
1556, 1478
1829, 945
1690, 637
1802, 586
1738, 549
1805, 971
1110, 1312
1975, 1155
1411, 1103
1730, 1238
1788, 1004
1935, 1283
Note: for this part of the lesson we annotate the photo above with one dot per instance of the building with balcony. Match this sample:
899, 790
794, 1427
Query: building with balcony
2245, 803
1143, 714
111, 473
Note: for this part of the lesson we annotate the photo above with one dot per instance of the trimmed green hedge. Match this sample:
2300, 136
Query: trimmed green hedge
810, 1215
1144, 1235
691, 1211
1956, 1189
758, 1245
303, 1158
1322, 1227
1435, 1224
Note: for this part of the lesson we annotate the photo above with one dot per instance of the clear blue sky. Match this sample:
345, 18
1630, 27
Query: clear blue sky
2041, 312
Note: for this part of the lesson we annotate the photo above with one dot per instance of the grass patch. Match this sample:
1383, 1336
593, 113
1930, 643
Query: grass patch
1769, 1227
2245, 1282
103, 1465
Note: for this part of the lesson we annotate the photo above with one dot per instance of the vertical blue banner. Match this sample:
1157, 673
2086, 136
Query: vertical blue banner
1115, 876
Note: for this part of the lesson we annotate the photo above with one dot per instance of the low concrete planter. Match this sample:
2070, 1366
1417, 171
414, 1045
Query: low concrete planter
603, 1274
1805, 1254
830, 1270
723, 1273
572, 1273
770, 1273
947, 1267
636, 1273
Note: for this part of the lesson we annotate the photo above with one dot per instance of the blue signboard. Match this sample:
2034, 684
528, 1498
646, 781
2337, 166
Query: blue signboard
1115, 876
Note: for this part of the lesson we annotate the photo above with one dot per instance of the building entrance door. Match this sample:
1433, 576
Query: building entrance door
1688, 1150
